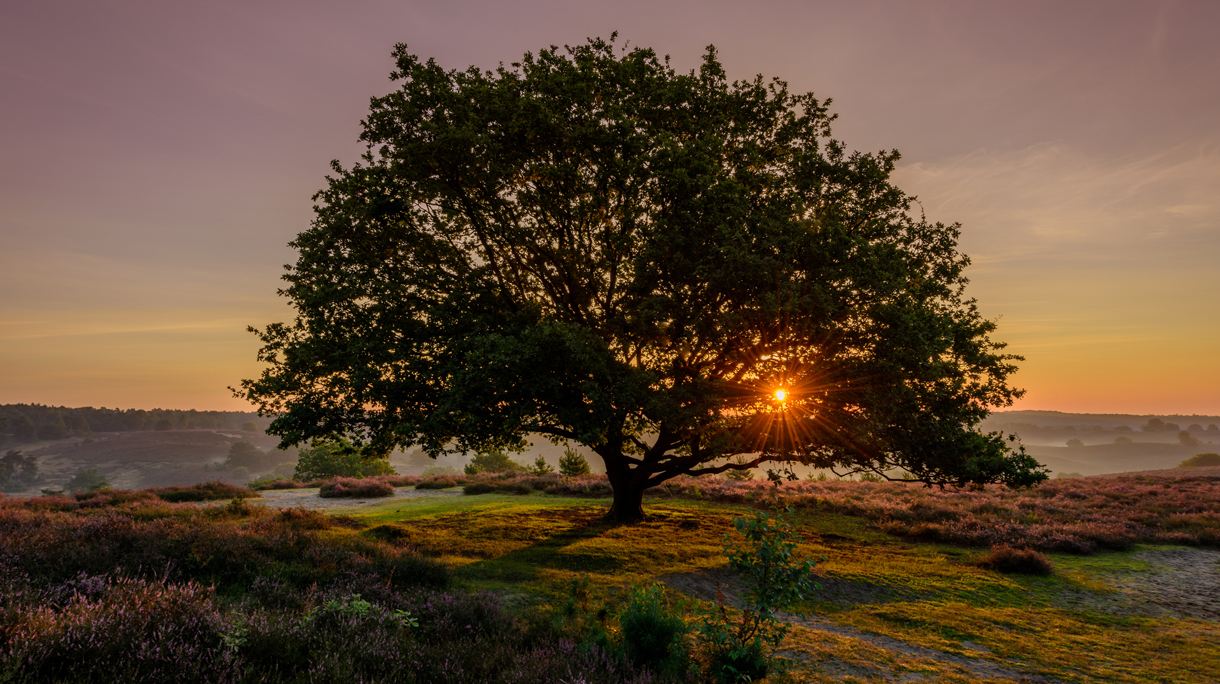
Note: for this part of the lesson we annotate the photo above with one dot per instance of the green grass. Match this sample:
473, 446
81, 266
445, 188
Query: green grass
532, 547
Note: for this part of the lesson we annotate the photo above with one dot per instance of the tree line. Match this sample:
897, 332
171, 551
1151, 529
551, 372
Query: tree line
31, 422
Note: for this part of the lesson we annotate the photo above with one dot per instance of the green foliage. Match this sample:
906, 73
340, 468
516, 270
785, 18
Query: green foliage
589, 245
431, 471
17, 471
1187, 439
572, 464
23, 429
249, 426
1201, 461
540, 467
494, 461
337, 459
871, 477
54, 429
653, 634
740, 650
87, 480
246, 455
163, 425
739, 475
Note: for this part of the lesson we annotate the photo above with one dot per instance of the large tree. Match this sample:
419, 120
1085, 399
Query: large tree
687, 275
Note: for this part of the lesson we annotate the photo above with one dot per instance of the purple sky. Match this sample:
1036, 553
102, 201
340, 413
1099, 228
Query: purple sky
157, 158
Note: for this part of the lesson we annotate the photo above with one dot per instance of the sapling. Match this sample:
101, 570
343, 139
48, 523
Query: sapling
740, 650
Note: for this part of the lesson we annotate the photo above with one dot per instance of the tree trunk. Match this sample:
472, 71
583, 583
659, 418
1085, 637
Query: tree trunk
628, 506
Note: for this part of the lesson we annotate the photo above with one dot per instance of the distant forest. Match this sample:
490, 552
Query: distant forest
30, 422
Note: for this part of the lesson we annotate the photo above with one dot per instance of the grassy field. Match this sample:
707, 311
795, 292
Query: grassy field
891, 609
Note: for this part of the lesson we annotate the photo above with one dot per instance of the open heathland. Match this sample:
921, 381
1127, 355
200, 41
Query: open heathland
530, 587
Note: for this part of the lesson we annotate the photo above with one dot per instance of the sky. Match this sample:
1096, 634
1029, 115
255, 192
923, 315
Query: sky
156, 158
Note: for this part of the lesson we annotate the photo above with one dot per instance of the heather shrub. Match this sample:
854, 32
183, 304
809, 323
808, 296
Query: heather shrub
356, 488
590, 487
204, 491
112, 497
1008, 560
226, 546
131, 631
479, 488
440, 482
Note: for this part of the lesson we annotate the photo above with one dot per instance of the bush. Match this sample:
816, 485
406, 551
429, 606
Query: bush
87, 480
246, 455
492, 462
204, 491
1201, 461
1012, 561
572, 464
337, 459
134, 630
355, 488
653, 635
17, 472
440, 482
434, 470
741, 650
55, 429
540, 467
498, 486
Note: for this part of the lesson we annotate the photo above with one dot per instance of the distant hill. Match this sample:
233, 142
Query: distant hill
1103, 459
146, 459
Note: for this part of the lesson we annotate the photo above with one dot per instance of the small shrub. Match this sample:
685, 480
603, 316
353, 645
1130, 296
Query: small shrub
1012, 561
204, 491
17, 471
1201, 461
87, 480
741, 649
337, 459
479, 488
540, 467
495, 461
433, 470
440, 482
572, 464
355, 488
653, 635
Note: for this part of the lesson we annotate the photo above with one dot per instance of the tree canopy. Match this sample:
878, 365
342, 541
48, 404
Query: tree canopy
670, 268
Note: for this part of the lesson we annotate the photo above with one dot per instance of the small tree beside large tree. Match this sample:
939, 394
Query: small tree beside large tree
669, 268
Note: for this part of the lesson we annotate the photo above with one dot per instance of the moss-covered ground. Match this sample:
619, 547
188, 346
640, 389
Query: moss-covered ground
915, 611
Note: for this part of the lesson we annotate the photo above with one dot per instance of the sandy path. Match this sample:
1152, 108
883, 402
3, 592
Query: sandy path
309, 499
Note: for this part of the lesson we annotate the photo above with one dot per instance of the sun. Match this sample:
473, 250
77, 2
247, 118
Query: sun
781, 394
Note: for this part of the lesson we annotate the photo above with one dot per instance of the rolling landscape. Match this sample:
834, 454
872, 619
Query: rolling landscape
523, 342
